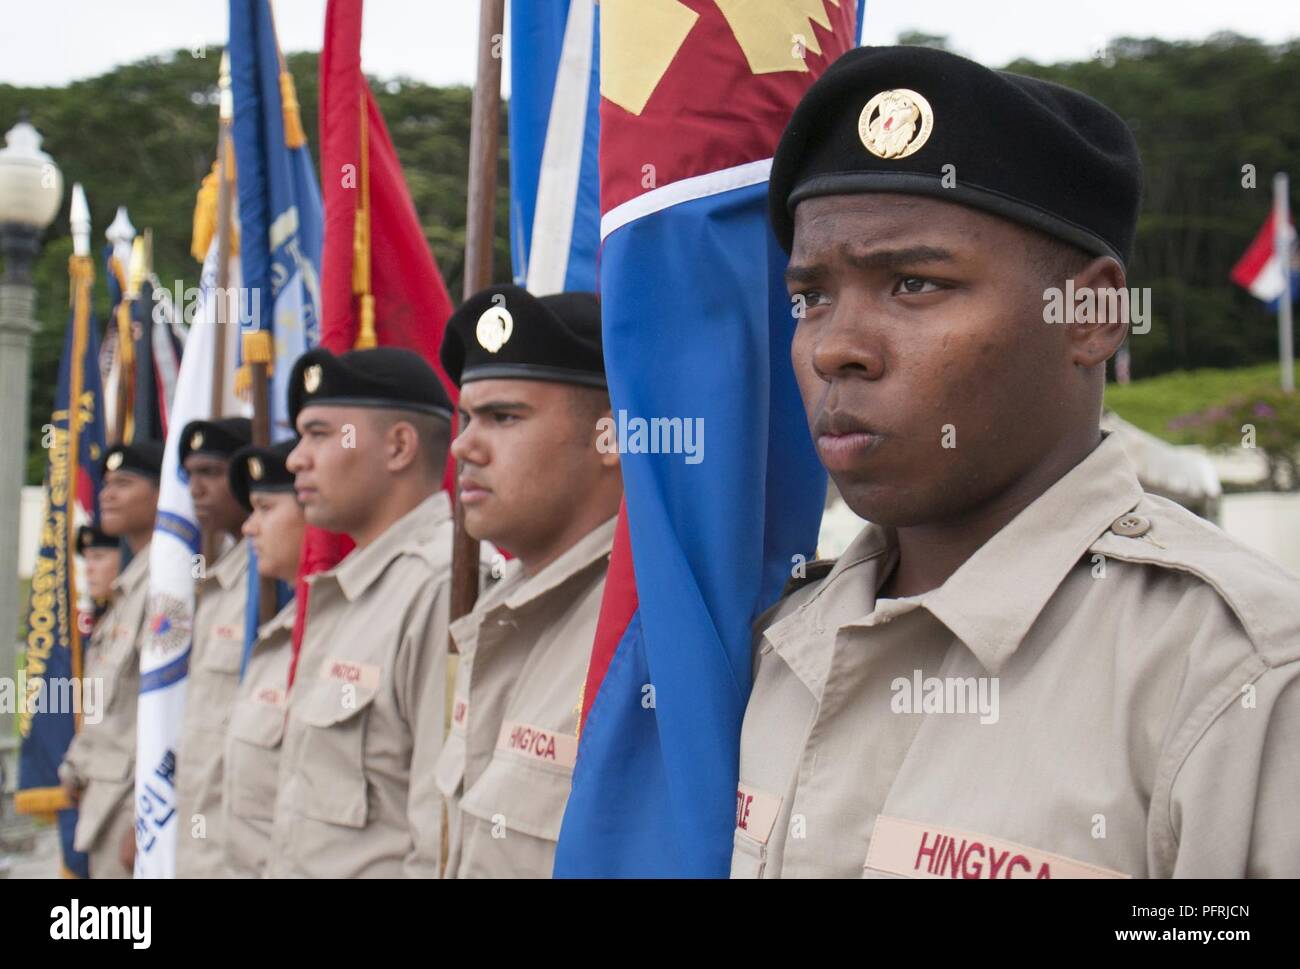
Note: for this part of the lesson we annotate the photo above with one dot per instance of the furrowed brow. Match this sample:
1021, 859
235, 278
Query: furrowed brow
897, 258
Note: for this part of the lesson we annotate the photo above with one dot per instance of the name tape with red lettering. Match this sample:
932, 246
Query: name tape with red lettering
347, 671
900, 847
538, 743
756, 812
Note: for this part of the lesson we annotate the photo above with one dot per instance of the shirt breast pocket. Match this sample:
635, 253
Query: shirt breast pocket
520, 797
332, 765
256, 730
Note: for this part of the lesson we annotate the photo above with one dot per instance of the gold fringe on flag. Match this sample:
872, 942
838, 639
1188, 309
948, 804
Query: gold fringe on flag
205, 216
258, 348
294, 136
366, 337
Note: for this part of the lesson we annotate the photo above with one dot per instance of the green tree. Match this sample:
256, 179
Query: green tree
144, 135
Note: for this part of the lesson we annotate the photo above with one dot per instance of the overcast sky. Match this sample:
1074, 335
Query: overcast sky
52, 42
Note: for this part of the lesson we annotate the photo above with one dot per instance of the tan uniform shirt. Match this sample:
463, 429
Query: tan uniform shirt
215, 657
252, 757
508, 764
1131, 682
356, 795
101, 757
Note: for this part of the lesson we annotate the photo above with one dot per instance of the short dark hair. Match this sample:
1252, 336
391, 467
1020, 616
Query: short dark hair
1052, 261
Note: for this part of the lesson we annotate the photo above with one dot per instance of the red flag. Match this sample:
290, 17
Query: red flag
374, 249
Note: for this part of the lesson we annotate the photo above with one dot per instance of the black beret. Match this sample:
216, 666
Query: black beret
889, 119
256, 468
220, 438
507, 332
387, 377
90, 536
142, 457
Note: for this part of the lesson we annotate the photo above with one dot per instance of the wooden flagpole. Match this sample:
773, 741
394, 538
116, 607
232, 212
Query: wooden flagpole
222, 315
480, 224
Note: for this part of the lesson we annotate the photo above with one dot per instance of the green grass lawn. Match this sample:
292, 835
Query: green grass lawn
1152, 403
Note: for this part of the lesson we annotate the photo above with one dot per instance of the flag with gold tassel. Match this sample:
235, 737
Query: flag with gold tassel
279, 207
380, 285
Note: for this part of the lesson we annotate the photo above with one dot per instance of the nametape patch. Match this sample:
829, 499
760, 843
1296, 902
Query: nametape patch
271, 695
345, 671
900, 847
227, 632
537, 743
756, 812
459, 712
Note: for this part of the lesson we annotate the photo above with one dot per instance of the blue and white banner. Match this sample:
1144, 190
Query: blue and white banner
554, 142
174, 565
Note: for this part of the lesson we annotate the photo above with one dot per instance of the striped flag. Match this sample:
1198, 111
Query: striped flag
554, 141
1263, 269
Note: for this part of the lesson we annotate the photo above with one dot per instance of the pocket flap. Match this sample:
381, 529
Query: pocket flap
328, 702
527, 799
224, 654
259, 724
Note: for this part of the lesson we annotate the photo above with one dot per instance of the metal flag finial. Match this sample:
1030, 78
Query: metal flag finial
79, 217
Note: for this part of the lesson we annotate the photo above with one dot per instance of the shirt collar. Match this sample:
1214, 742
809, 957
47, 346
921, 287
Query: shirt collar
230, 567
997, 594
593, 547
283, 619
136, 572
411, 533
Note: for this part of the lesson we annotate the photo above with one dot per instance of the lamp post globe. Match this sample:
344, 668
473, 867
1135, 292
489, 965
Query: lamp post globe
31, 192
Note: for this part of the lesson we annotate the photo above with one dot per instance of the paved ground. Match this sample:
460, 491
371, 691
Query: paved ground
27, 850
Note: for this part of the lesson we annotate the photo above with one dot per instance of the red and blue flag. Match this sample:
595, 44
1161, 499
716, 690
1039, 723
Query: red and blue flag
723, 489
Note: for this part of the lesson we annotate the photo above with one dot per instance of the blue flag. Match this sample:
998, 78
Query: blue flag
281, 223
57, 622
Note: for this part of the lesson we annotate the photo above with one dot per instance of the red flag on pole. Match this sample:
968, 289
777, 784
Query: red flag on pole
380, 285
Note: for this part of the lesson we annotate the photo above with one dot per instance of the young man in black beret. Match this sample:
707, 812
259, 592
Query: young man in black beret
536, 481
217, 647
1024, 667
263, 485
356, 794
98, 770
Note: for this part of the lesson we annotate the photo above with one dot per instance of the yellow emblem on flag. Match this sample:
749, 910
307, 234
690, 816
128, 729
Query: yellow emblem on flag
640, 38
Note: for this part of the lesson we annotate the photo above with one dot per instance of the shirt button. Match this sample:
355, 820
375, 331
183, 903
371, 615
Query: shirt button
1131, 526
